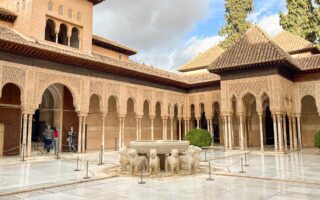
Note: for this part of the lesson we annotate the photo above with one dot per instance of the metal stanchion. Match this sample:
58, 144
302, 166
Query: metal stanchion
87, 172
210, 178
23, 150
57, 154
242, 171
101, 156
141, 178
246, 160
77, 169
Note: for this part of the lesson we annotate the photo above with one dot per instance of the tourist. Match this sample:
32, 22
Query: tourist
48, 137
55, 140
72, 139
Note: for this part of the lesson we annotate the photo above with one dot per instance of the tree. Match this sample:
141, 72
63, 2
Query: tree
199, 138
236, 20
300, 19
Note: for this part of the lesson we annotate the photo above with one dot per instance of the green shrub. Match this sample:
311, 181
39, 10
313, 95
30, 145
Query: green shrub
317, 140
199, 137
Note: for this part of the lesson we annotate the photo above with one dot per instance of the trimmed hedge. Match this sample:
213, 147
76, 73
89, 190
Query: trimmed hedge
199, 137
317, 140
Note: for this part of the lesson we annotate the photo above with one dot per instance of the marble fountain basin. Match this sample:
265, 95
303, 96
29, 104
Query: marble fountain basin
162, 146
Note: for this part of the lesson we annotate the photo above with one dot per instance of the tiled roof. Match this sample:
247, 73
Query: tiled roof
203, 60
108, 44
98, 62
291, 42
309, 63
254, 48
7, 15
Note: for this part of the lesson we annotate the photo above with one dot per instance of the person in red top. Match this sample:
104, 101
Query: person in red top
55, 140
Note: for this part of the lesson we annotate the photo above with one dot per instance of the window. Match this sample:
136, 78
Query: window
62, 37
79, 16
74, 40
23, 4
50, 34
50, 6
60, 10
70, 13
18, 6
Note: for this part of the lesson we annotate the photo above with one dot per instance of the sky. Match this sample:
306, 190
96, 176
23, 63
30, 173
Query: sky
168, 33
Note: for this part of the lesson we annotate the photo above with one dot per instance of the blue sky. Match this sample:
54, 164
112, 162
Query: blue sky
168, 33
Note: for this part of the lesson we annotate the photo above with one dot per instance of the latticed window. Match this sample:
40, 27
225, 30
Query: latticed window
70, 13
50, 6
60, 10
79, 16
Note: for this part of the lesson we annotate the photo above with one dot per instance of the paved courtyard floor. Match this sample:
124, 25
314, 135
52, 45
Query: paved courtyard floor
282, 176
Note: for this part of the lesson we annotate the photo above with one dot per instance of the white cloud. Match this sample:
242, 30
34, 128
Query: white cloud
271, 24
197, 45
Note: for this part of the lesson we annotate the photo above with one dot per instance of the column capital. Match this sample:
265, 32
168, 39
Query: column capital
121, 115
138, 116
152, 117
82, 114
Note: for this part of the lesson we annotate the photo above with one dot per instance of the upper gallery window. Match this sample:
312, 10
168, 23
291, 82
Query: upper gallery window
70, 13
18, 6
60, 10
79, 16
50, 6
23, 4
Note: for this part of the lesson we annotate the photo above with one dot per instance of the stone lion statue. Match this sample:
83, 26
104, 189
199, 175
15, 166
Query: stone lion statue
124, 159
172, 162
197, 156
154, 162
138, 163
188, 161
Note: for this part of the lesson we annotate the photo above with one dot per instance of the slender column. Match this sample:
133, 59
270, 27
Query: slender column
299, 132
69, 39
84, 134
226, 132
140, 129
188, 124
24, 132
164, 122
57, 37
198, 123
208, 125
120, 132
152, 128
171, 128
285, 132
185, 129
137, 129
249, 131
179, 129
280, 135
275, 132
290, 132
103, 131
211, 128
229, 132
80, 134
261, 133
29, 143
241, 132
294, 127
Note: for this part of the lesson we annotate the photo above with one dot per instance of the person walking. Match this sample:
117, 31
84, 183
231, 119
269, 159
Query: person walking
55, 140
48, 137
72, 139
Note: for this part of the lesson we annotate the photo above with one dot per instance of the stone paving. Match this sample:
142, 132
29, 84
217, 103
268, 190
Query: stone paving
282, 176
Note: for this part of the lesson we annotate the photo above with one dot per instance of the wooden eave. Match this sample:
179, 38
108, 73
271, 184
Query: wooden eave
8, 17
38, 53
113, 47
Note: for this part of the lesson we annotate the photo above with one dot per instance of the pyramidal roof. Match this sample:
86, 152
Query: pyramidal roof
254, 48
203, 60
291, 42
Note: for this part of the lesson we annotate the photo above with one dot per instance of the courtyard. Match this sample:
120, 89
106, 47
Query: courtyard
267, 176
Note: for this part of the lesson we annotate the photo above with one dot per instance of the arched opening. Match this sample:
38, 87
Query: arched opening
74, 40
235, 133
10, 120
203, 119
158, 125
268, 131
146, 122
112, 124
310, 120
63, 37
56, 110
94, 124
252, 129
216, 123
193, 120
50, 34
130, 123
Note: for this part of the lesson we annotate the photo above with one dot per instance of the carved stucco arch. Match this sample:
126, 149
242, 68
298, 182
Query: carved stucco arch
21, 88
116, 97
101, 104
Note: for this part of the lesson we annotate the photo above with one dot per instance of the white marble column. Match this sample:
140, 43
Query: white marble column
165, 128
280, 132
152, 128
24, 133
171, 128
285, 132
275, 132
294, 127
230, 132
261, 132
120, 132
180, 128
80, 134
83, 145
29, 142
137, 128
103, 133
241, 132
290, 133
208, 125
185, 128
140, 129
198, 123
226, 145
299, 131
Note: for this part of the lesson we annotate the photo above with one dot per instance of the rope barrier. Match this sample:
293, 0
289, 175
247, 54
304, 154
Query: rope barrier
12, 149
